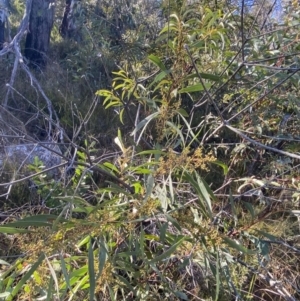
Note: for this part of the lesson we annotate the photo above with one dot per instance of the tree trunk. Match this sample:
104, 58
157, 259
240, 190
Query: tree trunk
4, 8
38, 36
64, 27
73, 19
2, 33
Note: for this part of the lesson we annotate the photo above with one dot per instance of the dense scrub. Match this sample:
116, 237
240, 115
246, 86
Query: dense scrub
177, 128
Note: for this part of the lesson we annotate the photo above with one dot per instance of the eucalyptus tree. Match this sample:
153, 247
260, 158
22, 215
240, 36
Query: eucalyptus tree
38, 36
4, 26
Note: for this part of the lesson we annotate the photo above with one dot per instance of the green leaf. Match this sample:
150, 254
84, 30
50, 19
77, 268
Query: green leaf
142, 244
173, 222
233, 206
115, 103
151, 152
169, 252
223, 165
183, 112
102, 256
176, 128
162, 194
25, 278
105, 168
127, 284
114, 188
3, 262
40, 218
64, 271
217, 276
79, 286
12, 230
111, 293
188, 177
159, 77
162, 234
91, 271
198, 44
79, 272
237, 246
73, 200
50, 291
156, 60
149, 186
122, 115
194, 88
169, 27
208, 76
171, 190
269, 236
190, 131
25, 224
111, 166
206, 193
250, 209
181, 295
143, 124
53, 274
263, 247
137, 187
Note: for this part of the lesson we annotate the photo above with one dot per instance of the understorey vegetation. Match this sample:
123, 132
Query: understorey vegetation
149, 150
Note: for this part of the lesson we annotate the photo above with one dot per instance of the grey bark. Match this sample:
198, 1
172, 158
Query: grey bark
4, 8
64, 27
38, 36
2, 33
73, 19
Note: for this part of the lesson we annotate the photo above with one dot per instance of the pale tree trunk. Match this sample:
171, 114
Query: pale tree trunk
2, 33
38, 36
4, 7
73, 19
64, 27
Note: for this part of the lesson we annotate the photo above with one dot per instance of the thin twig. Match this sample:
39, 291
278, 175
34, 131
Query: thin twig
275, 58
272, 67
186, 47
15, 44
272, 149
33, 175
263, 96
242, 30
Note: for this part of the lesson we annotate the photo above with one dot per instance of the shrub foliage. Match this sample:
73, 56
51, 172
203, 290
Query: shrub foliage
177, 128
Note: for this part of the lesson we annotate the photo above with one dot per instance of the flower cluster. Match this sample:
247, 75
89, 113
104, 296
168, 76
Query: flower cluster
184, 161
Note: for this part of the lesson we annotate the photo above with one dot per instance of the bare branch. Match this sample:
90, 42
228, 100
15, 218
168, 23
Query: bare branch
272, 149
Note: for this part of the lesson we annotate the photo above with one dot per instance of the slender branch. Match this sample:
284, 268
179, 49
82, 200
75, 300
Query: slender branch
256, 16
242, 30
273, 31
268, 14
263, 96
15, 44
258, 84
204, 139
95, 168
274, 58
33, 175
201, 101
272, 149
106, 173
186, 47
272, 67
